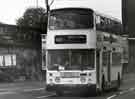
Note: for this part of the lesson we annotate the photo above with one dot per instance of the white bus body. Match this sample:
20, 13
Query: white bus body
81, 58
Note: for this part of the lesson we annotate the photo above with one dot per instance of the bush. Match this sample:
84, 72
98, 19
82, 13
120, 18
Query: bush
4, 77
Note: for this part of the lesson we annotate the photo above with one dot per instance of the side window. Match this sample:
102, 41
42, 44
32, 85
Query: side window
43, 57
116, 58
117, 27
108, 25
105, 58
101, 23
98, 22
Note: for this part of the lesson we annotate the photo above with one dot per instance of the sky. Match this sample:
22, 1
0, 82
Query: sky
11, 10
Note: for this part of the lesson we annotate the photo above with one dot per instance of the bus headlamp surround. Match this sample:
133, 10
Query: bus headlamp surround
50, 80
83, 79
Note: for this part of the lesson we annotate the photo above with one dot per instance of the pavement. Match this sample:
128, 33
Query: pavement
127, 89
22, 86
22, 90
128, 81
36, 90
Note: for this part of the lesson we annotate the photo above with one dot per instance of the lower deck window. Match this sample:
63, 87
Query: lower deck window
116, 58
71, 59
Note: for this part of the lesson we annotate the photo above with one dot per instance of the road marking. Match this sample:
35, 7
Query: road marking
8, 89
131, 89
29, 90
121, 93
25, 90
45, 96
112, 96
5, 93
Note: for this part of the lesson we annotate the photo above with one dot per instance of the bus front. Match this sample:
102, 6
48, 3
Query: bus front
70, 50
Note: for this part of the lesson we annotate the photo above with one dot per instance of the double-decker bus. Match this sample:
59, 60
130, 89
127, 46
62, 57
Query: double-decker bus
84, 51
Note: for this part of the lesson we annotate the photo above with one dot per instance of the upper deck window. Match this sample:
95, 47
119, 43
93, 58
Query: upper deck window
71, 19
108, 25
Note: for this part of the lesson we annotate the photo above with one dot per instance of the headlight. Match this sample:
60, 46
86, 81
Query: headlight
57, 79
50, 74
50, 80
90, 74
89, 80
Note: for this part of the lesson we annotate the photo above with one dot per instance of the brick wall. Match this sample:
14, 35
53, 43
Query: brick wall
28, 63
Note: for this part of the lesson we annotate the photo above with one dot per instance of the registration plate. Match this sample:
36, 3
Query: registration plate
69, 74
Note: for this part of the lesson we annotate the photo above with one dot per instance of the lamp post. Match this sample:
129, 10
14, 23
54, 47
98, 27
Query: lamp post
47, 6
47, 12
37, 3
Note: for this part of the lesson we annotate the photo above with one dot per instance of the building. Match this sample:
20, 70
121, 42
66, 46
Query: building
20, 52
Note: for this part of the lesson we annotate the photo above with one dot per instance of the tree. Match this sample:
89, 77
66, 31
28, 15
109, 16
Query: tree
34, 18
31, 25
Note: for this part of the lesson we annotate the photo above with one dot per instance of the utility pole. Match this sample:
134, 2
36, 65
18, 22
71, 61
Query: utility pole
124, 16
47, 12
37, 3
47, 6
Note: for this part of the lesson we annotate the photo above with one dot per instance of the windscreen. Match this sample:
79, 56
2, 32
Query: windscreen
71, 19
70, 59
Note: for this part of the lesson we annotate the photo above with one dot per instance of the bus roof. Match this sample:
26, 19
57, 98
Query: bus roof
80, 4
72, 8
107, 16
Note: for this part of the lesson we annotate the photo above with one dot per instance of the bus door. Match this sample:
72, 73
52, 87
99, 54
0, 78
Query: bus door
98, 68
109, 66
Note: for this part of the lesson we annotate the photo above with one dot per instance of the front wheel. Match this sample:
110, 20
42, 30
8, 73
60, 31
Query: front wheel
59, 93
118, 81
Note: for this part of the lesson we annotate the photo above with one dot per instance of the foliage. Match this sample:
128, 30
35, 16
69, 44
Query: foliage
33, 18
30, 26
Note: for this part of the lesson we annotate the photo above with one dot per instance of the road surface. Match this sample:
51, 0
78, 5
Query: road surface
42, 94
34, 90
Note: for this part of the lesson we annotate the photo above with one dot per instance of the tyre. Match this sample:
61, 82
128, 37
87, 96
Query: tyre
118, 81
59, 93
103, 83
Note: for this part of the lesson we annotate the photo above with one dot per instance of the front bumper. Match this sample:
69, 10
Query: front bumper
71, 87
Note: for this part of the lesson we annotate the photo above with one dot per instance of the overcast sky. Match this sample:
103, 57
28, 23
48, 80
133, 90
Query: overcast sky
10, 10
